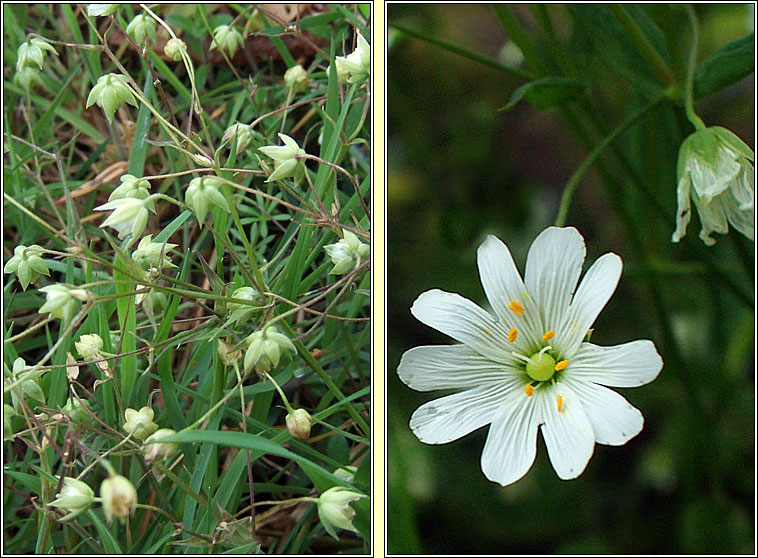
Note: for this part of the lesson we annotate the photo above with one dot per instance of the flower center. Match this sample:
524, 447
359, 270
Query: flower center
540, 366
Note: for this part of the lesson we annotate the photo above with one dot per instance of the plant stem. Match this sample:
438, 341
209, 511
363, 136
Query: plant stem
689, 105
571, 185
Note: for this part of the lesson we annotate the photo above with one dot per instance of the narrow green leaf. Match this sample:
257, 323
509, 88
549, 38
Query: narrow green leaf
725, 67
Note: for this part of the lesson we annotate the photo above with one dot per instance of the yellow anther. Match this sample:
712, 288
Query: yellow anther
560, 403
512, 334
561, 365
529, 390
548, 335
516, 307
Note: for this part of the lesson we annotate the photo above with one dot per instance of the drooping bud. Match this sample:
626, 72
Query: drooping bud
131, 187
129, 216
89, 346
203, 194
119, 497
299, 423
62, 302
110, 92
32, 53
334, 509
227, 39
241, 313
27, 264
153, 450
288, 161
141, 27
296, 78
265, 349
347, 253
358, 63
174, 49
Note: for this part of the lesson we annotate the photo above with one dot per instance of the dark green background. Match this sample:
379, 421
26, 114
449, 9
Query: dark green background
459, 169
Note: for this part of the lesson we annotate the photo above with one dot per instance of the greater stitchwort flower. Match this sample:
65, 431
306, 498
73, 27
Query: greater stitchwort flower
27, 264
527, 364
110, 92
347, 253
61, 302
75, 497
227, 39
334, 509
288, 159
357, 64
715, 168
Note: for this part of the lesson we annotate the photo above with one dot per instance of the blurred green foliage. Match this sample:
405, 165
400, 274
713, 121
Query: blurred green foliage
460, 169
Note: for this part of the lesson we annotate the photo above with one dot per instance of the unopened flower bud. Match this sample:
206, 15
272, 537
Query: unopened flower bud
227, 39
89, 346
110, 92
296, 78
299, 423
174, 49
119, 497
131, 187
153, 450
346, 474
245, 136
334, 509
139, 423
75, 497
76, 410
27, 264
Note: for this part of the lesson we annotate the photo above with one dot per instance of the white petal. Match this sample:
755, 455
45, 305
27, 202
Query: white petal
512, 440
629, 365
502, 284
449, 367
592, 295
448, 418
683, 212
613, 418
553, 266
569, 436
464, 321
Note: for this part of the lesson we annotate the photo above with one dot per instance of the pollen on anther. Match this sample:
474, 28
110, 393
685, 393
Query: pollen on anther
529, 390
516, 308
561, 365
512, 334
560, 403
548, 335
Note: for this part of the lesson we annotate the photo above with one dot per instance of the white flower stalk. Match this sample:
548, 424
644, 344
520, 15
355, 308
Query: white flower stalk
139, 423
265, 349
109, 93
296, 78
227, 39
241, 313
154, 450
32, 53
89, 346
347, 253
97, 10
119, 497
151, 254
141, 27
129, 216
27, 77
288, 159
334, 509
61, 302
203, 194
75, 497
299, 423
131, 187
715, 169
526, 364
27, 264
357, 64
174, 49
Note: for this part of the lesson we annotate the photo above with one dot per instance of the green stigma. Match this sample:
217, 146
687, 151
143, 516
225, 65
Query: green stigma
541, 367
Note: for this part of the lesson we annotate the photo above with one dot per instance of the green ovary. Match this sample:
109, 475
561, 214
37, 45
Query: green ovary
541, 367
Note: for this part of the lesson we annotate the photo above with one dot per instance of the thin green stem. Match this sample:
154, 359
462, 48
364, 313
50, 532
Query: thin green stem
571, 185
689, 104
643, 44
281, 393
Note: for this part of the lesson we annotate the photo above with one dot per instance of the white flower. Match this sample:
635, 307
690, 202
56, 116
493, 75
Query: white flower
131, 187
27, 264
101, 9
61, 302
347, 253
299, 423
75, 497
89, 346
288, 159
130, 216
715, 168
203, 194
265, 349
227, 38
110, 92
527, 364
153, 254
334, 509
357, 64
